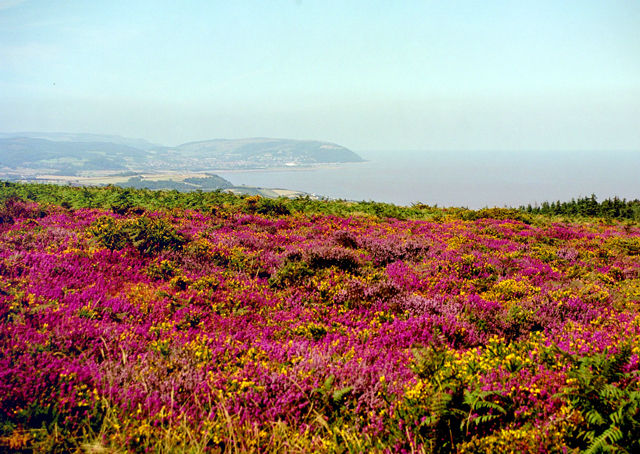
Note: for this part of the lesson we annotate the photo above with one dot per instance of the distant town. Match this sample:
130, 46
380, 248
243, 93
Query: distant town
90, 159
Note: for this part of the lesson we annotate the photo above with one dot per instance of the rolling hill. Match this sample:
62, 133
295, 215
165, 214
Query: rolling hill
69, 154
267, 150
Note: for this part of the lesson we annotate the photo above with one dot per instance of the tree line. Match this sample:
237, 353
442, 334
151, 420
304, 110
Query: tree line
611, 208
119, 199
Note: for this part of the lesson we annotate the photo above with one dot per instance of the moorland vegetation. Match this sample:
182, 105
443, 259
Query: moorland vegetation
145, 321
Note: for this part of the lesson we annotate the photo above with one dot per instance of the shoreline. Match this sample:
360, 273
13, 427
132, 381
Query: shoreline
291, 168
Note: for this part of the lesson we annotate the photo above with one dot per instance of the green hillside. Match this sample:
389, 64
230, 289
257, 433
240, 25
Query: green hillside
68, 154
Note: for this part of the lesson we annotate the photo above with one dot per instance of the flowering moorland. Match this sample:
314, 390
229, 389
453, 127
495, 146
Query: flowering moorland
227, 330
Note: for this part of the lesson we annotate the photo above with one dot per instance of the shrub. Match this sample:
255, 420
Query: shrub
291, 273
327, 257
145, 234
345, 239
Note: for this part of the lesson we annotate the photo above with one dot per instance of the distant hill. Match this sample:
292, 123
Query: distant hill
42, 153
73, 154
284, 151
75, 137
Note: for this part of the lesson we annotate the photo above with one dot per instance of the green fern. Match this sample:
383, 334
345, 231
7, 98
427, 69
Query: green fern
608, 399
476, 402
605, 441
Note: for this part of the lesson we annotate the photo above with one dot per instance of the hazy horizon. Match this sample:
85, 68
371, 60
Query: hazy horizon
368, 75
361, 150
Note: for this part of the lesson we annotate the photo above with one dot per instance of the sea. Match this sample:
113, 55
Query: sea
473, 179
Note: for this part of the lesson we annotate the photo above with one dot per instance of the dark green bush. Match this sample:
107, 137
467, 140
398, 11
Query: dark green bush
147, 235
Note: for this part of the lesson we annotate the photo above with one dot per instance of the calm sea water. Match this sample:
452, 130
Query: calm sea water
471, 178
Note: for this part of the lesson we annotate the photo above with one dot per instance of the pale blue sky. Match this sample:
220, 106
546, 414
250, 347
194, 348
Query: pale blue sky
367, 74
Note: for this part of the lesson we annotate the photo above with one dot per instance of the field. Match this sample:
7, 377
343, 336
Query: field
165, 181
133, 321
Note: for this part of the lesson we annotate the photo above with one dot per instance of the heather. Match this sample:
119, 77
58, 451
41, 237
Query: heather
138, 321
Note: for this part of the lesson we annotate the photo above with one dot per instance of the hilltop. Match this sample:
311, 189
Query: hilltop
82, 137
266, 152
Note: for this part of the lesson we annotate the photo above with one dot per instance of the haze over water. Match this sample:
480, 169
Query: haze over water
420, 75
412, 75
474, 179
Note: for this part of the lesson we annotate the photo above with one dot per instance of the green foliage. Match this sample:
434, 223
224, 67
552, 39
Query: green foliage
371, 209
147, 235
268, 207
163, 270
292, 272
443, 410
298, 267
150, 235
496, 213
109, 233
608, 400
330, 401
125, 200
440, 413
58, 429
115, 198
589, 207
485, 410
209, 183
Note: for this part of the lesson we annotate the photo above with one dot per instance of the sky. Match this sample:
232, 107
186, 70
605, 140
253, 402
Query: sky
366, 74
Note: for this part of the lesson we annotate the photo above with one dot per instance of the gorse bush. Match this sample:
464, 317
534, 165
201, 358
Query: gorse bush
147, 235
264, 206
496, 213
291, 273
